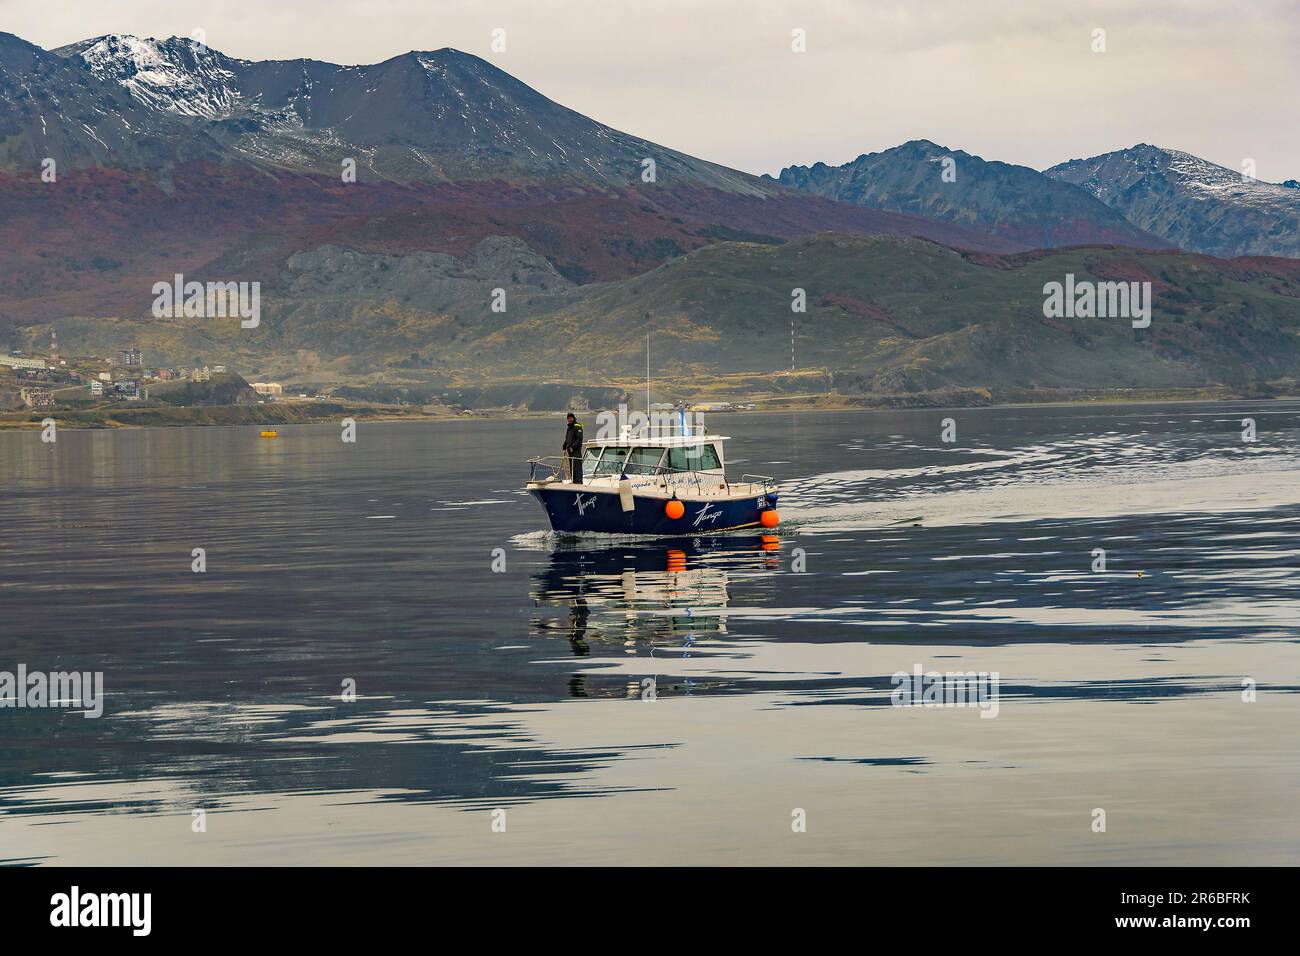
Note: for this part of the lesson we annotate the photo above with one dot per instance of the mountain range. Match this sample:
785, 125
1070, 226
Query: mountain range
1016, 203
1190, 202
1144, 197
173, 157
438, 116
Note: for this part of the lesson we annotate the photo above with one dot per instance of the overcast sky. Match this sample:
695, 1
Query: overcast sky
1014, 80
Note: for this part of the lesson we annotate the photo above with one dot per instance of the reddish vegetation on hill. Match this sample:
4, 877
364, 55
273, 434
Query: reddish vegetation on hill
95, 241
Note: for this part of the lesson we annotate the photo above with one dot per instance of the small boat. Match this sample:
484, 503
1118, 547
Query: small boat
656, 480
270, 434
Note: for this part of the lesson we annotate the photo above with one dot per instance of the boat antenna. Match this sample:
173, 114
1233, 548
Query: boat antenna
647, 374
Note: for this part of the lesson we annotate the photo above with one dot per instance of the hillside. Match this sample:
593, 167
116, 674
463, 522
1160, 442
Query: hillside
900, 315
908, 315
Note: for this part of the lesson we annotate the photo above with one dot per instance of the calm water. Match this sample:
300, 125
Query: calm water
525, 690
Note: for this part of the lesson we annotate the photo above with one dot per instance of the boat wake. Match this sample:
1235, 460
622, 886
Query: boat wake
1102, 476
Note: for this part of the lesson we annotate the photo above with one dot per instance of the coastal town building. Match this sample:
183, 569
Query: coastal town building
36, 396
270, 389
130, 357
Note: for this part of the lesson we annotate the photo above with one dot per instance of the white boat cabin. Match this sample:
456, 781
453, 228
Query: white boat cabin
688, 463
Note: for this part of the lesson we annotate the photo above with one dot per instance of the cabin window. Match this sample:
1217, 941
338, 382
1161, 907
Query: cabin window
590, 458
611, 463
694, 458
644, 461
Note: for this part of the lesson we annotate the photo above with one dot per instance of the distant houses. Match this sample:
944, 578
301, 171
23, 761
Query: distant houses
129, 389
40, 382
723, 407
36, 396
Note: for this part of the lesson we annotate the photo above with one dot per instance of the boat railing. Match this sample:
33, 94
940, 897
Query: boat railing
767, 481
546, 468
549, 468
679, 476
672, 429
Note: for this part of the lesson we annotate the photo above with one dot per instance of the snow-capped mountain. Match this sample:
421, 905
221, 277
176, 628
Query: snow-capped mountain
422, 116
54, 108
1015, 202
175, 75
1191, 202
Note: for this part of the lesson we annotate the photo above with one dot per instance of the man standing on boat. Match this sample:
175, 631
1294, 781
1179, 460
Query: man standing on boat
572, 449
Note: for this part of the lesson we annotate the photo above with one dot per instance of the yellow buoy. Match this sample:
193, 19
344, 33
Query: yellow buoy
271, 434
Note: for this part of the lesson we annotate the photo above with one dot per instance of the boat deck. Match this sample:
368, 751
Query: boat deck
665, 483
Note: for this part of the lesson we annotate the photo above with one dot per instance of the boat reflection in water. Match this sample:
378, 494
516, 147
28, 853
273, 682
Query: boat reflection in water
644, 596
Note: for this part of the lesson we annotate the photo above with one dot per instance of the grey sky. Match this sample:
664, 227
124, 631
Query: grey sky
1014, 80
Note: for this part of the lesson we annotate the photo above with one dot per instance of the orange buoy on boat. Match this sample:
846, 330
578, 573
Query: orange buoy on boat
674, 509
769, 518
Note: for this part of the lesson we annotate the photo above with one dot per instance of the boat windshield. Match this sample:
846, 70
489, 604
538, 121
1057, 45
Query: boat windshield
602, 461
611, 463
693, 458
644, 461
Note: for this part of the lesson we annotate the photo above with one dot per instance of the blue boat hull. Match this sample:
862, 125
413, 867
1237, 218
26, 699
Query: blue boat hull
601, 510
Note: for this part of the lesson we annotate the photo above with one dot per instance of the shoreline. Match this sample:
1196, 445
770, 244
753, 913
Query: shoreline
296, 413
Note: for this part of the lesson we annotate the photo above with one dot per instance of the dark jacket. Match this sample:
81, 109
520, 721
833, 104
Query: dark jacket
573, 440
